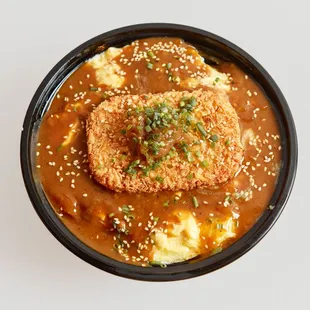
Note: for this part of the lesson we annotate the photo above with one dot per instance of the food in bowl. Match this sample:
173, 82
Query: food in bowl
153, 154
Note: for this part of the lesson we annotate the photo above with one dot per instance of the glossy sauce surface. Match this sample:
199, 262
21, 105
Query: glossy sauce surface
79, 200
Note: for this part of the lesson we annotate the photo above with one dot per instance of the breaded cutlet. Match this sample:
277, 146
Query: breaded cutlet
166, 141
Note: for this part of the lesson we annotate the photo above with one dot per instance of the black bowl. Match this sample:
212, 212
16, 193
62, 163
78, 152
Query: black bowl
204, 41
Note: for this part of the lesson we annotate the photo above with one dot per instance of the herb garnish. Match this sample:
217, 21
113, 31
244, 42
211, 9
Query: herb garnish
195, 202
159, 179
157, 264
201, 129
216, 251
149, 65
204, 163
150, 54
214, 138
131, 167
94, 88
166, 203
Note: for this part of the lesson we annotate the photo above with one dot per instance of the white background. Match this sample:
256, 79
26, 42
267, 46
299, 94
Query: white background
36, 271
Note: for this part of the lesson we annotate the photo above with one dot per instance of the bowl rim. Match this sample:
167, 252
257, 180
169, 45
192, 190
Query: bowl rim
178, 271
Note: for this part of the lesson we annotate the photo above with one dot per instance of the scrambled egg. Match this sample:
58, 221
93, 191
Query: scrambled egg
183, 239
107, 69
219, 229
214, 78
181, 243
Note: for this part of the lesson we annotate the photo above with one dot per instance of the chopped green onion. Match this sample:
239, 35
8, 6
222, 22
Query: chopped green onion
189, 157
201, 129
169, 65
197, 153
94, 88
204, 163
213, 144
216, 251
149, 112
227, 142
195, 202
190, 176
138, 110
214, 138
150, 54
156, 219
126, 209
131, 167
149, 65
157, 264
192, 101
111, 215
166, 203
148, 128
159, 179
123, 131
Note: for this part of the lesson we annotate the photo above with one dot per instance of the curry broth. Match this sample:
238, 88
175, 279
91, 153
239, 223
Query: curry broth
77, 198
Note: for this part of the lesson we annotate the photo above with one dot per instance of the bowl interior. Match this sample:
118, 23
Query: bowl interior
207, 43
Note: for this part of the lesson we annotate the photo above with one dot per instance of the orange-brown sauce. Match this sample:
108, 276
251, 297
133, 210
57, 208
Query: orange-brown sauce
78, 199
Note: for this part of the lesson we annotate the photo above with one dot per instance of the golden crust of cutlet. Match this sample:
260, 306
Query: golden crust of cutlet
109, 153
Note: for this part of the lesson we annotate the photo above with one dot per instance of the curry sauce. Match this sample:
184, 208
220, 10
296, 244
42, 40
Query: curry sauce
133, 227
